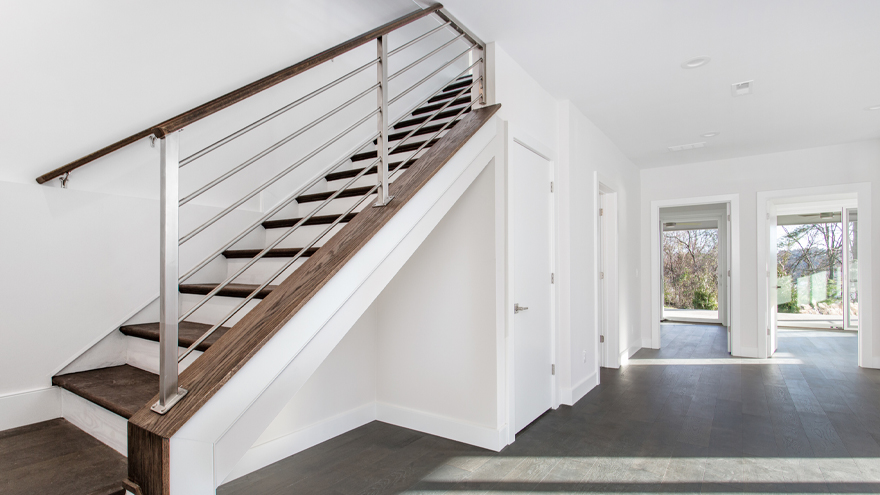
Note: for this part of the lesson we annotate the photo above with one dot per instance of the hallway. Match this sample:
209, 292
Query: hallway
686, 418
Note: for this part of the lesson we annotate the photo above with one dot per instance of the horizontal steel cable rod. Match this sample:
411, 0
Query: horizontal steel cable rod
420, 38
270, 149
275, 179
432, 53
302, 221
429, 76
262, 253
457, 92
276, 113
290, 198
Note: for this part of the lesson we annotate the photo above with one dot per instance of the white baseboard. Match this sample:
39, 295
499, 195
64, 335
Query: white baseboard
584, 386
262, 455
108, 427
748, 352
31, 407
628, 353
442, 426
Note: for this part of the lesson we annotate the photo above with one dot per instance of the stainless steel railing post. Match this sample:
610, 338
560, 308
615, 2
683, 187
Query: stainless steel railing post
382, 141
478, 94
169, 164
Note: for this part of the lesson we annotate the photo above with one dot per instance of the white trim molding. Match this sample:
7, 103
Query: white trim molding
266, 453
29, 407
442, 426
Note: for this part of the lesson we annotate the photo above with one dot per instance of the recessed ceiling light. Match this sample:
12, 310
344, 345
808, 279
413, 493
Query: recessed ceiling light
875, 107
710, 134
695, 62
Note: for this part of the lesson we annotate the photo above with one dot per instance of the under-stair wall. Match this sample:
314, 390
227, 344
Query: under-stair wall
409, 361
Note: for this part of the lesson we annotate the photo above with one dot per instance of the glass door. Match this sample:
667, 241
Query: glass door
851, 268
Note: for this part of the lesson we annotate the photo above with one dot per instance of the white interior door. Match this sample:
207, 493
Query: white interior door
530, 189
772, 280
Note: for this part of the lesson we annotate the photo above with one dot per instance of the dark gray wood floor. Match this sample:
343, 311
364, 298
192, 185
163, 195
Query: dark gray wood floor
686, 418
55, 457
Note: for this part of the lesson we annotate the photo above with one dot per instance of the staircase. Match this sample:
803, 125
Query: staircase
313, 241
125, 389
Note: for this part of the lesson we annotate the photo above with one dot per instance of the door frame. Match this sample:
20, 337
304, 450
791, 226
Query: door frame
841, 192
515, 136
720, 217
734, 295
607, 301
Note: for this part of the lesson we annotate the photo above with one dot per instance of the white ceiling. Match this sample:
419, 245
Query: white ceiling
816, 66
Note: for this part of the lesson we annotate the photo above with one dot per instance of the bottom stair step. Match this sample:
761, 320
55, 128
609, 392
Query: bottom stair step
187, 333
120, 389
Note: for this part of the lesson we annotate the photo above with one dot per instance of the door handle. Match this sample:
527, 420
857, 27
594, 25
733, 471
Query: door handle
517, 308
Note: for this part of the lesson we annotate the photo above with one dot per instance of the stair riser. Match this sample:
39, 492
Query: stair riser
109, 428
144, 354
301, 236
262, 269
215, 309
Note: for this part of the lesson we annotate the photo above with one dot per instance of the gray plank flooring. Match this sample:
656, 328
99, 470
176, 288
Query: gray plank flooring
55, 457
686, 418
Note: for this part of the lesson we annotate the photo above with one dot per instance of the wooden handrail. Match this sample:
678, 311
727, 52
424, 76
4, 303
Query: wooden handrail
233, 97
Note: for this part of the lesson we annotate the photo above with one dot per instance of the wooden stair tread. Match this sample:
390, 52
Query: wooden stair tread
400, 149
120, 389
187, 333
447, 95
273, 253
438, 106
445, 114
321, 196
463, 82
348, 174
315, 220
231, 290
428, 129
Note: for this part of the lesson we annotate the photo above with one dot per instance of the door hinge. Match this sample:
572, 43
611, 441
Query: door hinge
728, 273
601, 211
601, 339
768, 216
601, 275
728, 218
552, 369
552, 278
768, 330
551, 186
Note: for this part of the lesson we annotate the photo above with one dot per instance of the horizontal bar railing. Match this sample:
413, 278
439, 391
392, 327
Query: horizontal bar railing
292, 197
276, 145
276, 113
194, 115
275, 179
304, 219
425, 57
230, 279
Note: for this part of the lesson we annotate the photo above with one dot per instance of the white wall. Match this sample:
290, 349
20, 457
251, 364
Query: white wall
842, 164
592, 155
437, 347
581, 151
